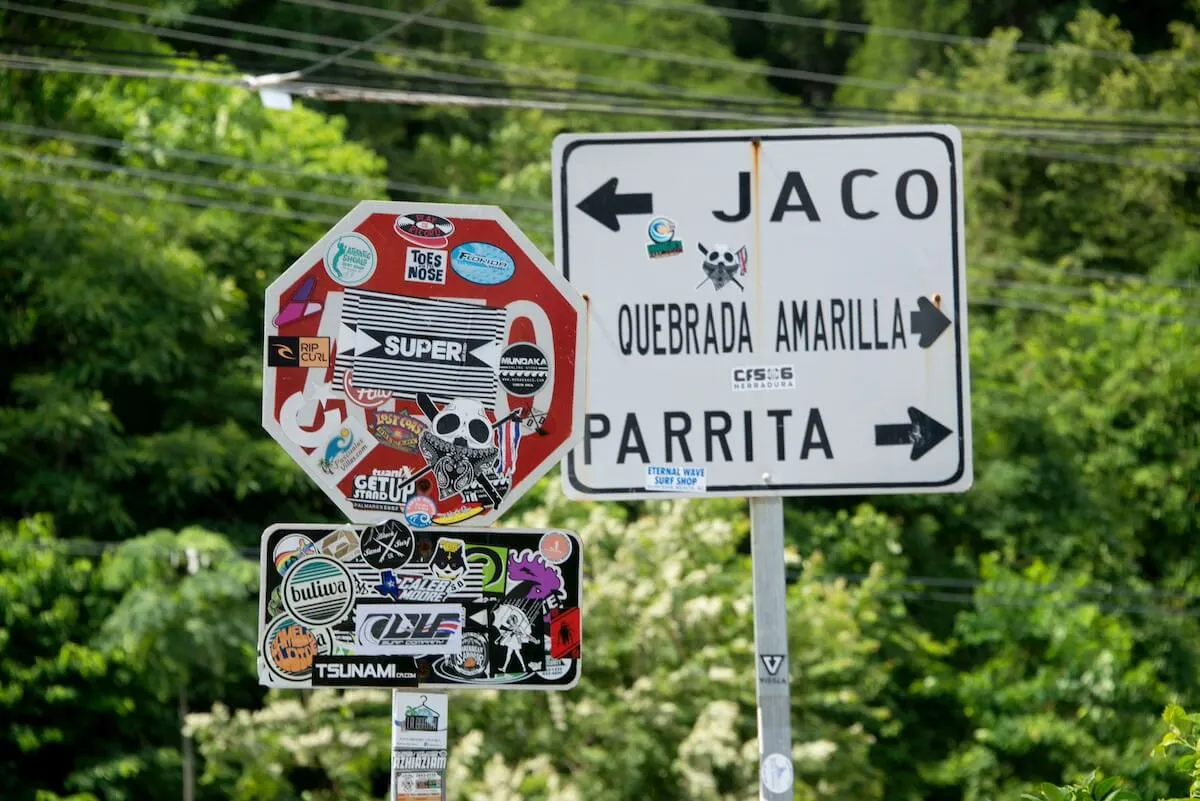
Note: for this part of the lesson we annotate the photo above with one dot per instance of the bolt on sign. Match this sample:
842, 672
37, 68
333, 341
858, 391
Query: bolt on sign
389, 605
423, 363
774, 312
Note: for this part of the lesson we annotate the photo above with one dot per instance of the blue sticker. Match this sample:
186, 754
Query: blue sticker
481, 263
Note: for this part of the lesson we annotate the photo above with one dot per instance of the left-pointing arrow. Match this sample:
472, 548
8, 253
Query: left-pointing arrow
605, 205
923, 433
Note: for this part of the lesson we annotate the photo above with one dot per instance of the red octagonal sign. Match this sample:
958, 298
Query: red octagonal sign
423, 362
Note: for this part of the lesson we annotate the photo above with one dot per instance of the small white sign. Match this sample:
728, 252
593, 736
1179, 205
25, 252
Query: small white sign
419, 720
425, 266
674, 478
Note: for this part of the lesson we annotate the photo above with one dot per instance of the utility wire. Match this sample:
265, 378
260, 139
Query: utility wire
736, 66
230, 161
853, 114
540, 206
1053, 289
180, 178
1099, 275
188, 200
203, 202
710, 63
1024, 305
859, 112
865, 29
432, 8
1005, 593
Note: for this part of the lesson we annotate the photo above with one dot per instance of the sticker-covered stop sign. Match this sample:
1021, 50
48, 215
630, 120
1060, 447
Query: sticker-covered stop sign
423, 361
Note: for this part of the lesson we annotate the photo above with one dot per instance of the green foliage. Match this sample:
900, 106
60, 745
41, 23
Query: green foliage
666, 704
942, 648
79, 725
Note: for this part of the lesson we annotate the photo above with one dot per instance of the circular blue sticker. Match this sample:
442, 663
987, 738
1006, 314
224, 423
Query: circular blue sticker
481, 263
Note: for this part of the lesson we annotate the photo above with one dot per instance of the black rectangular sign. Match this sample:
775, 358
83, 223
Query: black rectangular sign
390, 605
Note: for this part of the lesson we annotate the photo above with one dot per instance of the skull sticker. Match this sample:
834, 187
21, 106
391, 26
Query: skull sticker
722, 265
459, 448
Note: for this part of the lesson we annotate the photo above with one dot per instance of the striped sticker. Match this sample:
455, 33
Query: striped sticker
443, 348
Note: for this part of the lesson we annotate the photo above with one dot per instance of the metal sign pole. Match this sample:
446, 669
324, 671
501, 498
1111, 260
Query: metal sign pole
771, 649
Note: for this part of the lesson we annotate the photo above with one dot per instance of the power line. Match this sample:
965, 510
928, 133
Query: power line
539, 206
1011, 593
1053, 289
568, 41
852, 114
710, 63
1099, 275
181, 178
879, 30
395, 28
258, 166
1023, 305
187, 200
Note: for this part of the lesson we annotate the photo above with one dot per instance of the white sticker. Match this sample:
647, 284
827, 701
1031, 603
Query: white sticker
350, 259
419, 720
346, 446
408, 629
777, 773
425, 266
673, 478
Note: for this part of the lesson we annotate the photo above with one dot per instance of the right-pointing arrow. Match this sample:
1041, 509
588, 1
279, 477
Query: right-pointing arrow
923, 433
927, 321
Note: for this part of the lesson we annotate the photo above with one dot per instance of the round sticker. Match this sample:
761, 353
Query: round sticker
471, 660
366, 398
289, 550
524, 369
388, 545
555, 547
777, 773
661, 230
481, 263
419, 511
288, 648
350, 259
426, 230
318, 591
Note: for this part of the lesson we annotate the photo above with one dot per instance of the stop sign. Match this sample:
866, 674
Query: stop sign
423, 363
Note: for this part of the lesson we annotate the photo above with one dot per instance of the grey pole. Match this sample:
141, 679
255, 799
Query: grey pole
771, 650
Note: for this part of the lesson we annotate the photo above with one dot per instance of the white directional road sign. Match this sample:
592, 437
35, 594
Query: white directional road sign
770, 312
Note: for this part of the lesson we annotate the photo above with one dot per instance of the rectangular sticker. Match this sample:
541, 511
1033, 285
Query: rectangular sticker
425, 266
444, 348
419, 720
336, 457
675, 478
297, 351
363, 671
410, 760
408, 629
